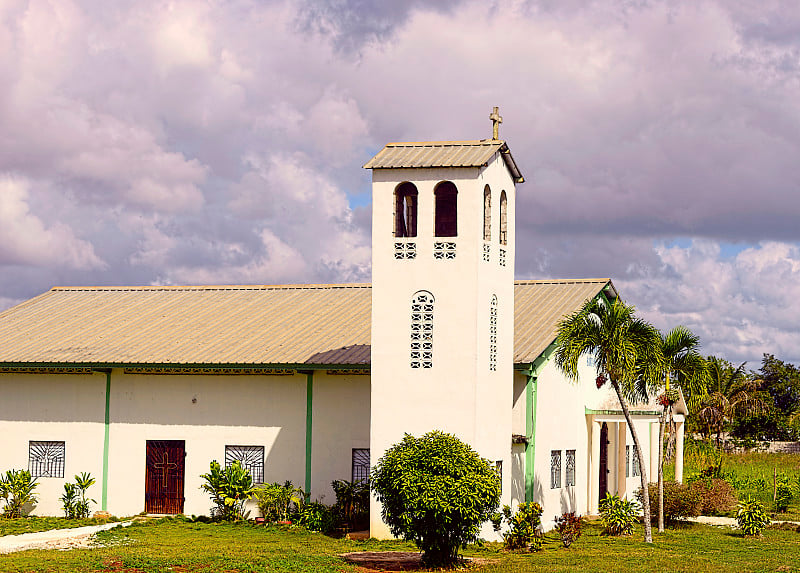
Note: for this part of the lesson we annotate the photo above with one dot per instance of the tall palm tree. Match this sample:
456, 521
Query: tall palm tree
685, 368
623, 347
730, 393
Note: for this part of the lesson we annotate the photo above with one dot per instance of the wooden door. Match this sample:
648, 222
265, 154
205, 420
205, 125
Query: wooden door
603, 490
164, 476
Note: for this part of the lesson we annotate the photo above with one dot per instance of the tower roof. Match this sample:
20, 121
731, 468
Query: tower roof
428, 154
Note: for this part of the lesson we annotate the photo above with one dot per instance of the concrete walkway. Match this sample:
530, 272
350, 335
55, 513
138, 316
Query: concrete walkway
55, 538
726, 521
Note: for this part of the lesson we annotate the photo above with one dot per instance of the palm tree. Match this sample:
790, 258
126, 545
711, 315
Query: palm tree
730, 393
626, 351
684, 366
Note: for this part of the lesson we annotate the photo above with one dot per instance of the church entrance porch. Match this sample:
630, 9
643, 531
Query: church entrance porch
164, 476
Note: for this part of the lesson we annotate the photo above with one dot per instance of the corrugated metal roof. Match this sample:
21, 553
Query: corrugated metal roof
236, 325
429, 154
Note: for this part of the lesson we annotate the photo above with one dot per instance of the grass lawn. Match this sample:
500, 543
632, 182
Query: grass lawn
752, 474
176, 545
34, 524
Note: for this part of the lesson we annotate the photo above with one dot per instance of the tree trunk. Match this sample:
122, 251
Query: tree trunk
661, 424
648, 533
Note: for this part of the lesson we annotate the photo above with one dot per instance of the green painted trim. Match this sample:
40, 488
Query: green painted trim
104, 495
589, 411
309, 427
531, 396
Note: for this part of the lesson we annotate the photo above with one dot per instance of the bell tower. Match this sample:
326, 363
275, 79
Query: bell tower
443, 296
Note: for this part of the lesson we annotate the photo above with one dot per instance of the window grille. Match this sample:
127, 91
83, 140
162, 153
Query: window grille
251, 458
46, 459
627, 461
360, 465
487, 250
444, 250
570, 470
405, 250
422, 330
498, 467
635, 462
405, 210
493, 334
555, 469
502, 257
487, 214
503, 218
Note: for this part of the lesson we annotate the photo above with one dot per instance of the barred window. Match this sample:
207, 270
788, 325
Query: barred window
422, 330
360, 465
570, 473
493, 334
555, 469
498, 467
46, 459
635, 462
251, 458
627, 461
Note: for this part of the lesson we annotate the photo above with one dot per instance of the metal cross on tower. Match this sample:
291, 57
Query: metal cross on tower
496, 121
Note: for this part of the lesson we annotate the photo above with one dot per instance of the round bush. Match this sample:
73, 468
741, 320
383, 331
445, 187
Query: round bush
436, 491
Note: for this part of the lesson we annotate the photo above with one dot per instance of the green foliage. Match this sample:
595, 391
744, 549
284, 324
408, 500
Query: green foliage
277, 502
783, 497
524, 527
436, 491
229, 489
751, 517
618, 516
74, 501
716, 494
679, 500
569, 527
316, 516
16, 489
352, 503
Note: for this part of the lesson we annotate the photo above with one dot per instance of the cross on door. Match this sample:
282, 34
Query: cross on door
165, 465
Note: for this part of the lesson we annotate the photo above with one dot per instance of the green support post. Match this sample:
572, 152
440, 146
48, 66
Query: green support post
104, 494
309, 426
530, 434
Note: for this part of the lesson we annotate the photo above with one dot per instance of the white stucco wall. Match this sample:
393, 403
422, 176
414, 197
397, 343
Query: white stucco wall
459, 395
207, 412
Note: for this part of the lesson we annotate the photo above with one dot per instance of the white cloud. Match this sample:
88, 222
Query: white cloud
741, 306
26, 240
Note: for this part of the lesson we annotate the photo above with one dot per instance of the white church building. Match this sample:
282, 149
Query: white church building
144, 386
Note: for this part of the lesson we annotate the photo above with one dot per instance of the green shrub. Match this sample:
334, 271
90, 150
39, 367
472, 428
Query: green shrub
352, 503
679, 501
16, 489
277, 502
436, 491
229, 489
569, 527
783, 497
74, 501
524, 527
717, 495
751, 517
317, 516
618, 515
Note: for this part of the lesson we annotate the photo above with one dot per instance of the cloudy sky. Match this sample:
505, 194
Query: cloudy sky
154, 142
